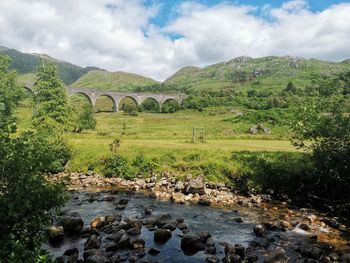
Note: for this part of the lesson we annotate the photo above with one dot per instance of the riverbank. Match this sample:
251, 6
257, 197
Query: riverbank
303, 234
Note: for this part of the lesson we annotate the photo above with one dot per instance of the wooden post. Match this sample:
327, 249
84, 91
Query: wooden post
193, 135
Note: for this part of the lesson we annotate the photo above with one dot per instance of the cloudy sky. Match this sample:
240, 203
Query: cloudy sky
157, 37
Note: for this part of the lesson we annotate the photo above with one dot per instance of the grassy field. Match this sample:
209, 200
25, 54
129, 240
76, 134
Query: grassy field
166, 139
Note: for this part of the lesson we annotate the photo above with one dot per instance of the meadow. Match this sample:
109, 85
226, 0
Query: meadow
165, 139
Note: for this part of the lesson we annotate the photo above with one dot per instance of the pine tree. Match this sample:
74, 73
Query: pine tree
50, 100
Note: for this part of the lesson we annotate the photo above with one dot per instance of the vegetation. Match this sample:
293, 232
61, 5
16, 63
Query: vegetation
27, 197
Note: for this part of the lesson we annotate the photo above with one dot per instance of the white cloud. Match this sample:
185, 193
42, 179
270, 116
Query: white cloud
118, 35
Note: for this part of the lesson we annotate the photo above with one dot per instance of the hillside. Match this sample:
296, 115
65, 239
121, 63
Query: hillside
113, 81
26, 66
268, 73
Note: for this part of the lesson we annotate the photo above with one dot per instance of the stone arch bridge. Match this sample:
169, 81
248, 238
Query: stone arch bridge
139, 97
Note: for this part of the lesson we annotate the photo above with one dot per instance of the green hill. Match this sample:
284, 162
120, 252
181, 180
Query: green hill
113, 81
26, 66
268, 73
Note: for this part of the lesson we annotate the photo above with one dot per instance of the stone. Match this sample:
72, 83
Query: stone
239, 219
153, 251
91, 252
98, 222
212, 259
232, 258
120, 207
162, 235
148, 211
178, 198
196, 186
65, 259
182, 226
72, 252
345, 258
204, 201
123, 201
71, 223
179, 186
191, 244
259, 230
134, 231
93, 242
55, 233
278, 255
171, 226
284, 224
253, 258
240, 250
108, 198
305, 227
253, 129
97, 259
163, 220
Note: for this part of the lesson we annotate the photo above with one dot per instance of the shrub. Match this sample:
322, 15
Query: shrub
117, 165
144, 165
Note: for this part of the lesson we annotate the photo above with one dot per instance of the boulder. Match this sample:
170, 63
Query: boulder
153, 251
97, 259
196, 186
162, 235
98, 222
191, 243
259, 230
345, 258
93, 242
232, 258
178, 197
163, 220
72, 252
212, 259
278, 255
179, 186
253, 129
71, 223
55, 233
204, 201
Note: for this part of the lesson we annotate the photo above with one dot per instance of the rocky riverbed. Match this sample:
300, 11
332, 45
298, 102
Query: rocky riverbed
170, 220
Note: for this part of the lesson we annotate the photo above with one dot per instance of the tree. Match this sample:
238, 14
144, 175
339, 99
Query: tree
50, 100
27, 197
85, 120
291, 89
325, 131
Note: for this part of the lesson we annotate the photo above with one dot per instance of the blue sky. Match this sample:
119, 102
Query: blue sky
168, 8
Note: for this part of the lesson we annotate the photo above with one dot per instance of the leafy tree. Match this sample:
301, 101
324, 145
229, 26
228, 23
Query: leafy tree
84, 120
50, 100
290, 89
27, 197
327, 135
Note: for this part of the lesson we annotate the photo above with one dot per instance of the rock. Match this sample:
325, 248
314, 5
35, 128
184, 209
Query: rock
137, 242
284, 224
204, 201
123, 201
277, 256
191, 244
305, 227
232, 258
148, 211
134, 231
97, 259
108, 198
203, 235
259, 230
315, 252
179, 186
182, 226
239, 219
120, 207
212, 259
196, 186
240, 250
252, 258
55, 233
72, 252
334, 256
65, 259
178, 197
345, 258
331, 222
153, 251
162, 235
254, 129
171, 226
98, 222
91, 252
71, 223
93, 242
163, 220
266, 130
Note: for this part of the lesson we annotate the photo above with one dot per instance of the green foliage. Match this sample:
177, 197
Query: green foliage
144, 165
50, 98
27, 197
84, 119
129, 106
117, 165
149, 105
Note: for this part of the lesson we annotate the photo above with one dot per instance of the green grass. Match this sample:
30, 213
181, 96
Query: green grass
166, 139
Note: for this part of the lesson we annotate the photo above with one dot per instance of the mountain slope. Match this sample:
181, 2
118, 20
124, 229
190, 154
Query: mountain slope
113, 81
268, 73
26, 66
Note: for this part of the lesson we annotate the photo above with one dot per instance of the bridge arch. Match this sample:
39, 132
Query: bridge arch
121, 102
114, 107
92, 103
172, 107
150, 104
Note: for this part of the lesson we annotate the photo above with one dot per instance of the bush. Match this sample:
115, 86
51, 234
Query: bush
144, 165
117, 165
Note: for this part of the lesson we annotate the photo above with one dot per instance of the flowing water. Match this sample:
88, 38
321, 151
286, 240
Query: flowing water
219, 223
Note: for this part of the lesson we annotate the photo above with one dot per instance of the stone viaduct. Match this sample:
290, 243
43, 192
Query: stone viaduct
139, 97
